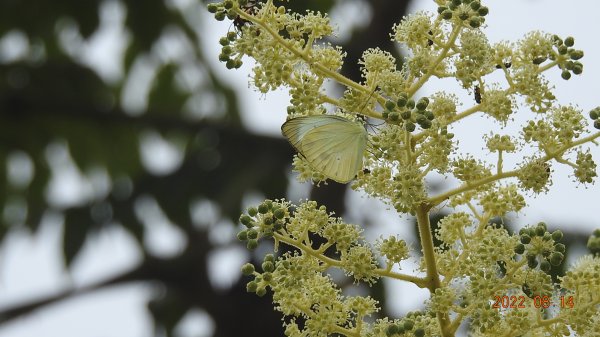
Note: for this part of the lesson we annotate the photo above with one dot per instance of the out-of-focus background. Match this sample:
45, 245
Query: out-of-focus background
129, 152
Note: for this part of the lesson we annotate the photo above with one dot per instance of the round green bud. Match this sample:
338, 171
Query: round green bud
242, 235
563, 49
545, 266
520, 249
532, 263
525, 239
577, 68
565, 75
269, 257
410, 104
231, 36
547, 236
223, 57
596, 233
483, 11
394, 116
406, 115
212, 8
463, 15
228, 4
410, 126
224, 41
475, 22
557, 235
267, 276
261, 292
420, 332
441, 9
475, 5
556, 40
422, 103
390, 105
409, 324
597, 124
539, 60
576, 54
263, 208
279, 213
421, 119
220, 16
246, 220
569, 41
268, 221
248, 269
595, 113
556, 258
252, 244
391, 330
230, 64
226, 50
242, 2
540, 229
401, 102
456, 2
447, 15
429, 114
252, 234
385, 114
251, 286
252, 211
231, 15
559, 247
523, 231
569, 65
268, 266
426, 124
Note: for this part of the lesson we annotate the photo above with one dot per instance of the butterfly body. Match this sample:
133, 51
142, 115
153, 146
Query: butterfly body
332, 145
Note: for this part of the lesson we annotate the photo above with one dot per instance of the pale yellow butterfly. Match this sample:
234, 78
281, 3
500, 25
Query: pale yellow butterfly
332, 145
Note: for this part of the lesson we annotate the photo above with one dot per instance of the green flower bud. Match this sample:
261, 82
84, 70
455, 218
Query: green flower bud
595, 113
212, 8
447, 15
410, 104
252, 244
520, 249
230, 64
426, 124
246, 220
263, 208
545, 266
224, 41
539, 60
532, 263
463, 16
408, 324
576, 54
559, 247
248, 269
596, 233
556, 258
525, 239
563, 49
597, 124
577, 68
242, 235
475, 5
483, 11
429, 114
402, 100
475, 22
251, 286
456, 2
268, 266
389, 105
394, 116
540, 230
406, 115
279, 213
223, 57
557, 235
569, 41
385, 114
556, 40
231, 36
419, 332
422, 103
391, 330
565, 75
261, 292
267, 276
252, 234
441, 9
252, 211
220, 16
410, 126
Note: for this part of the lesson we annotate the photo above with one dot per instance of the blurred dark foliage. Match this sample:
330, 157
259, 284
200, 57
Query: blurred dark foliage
50, 98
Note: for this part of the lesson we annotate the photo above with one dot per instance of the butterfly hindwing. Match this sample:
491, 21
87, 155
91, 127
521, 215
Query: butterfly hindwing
332, 145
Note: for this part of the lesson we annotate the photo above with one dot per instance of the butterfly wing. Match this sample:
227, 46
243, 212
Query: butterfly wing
332, 145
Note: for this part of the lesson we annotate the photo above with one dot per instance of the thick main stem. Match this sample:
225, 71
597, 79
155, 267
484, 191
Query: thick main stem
433, 277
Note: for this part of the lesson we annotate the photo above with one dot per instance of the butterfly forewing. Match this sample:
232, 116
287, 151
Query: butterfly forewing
332, 145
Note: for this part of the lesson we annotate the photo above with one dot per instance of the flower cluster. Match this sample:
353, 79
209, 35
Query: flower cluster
478, 258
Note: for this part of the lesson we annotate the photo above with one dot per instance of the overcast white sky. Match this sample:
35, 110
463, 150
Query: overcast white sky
30, 266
